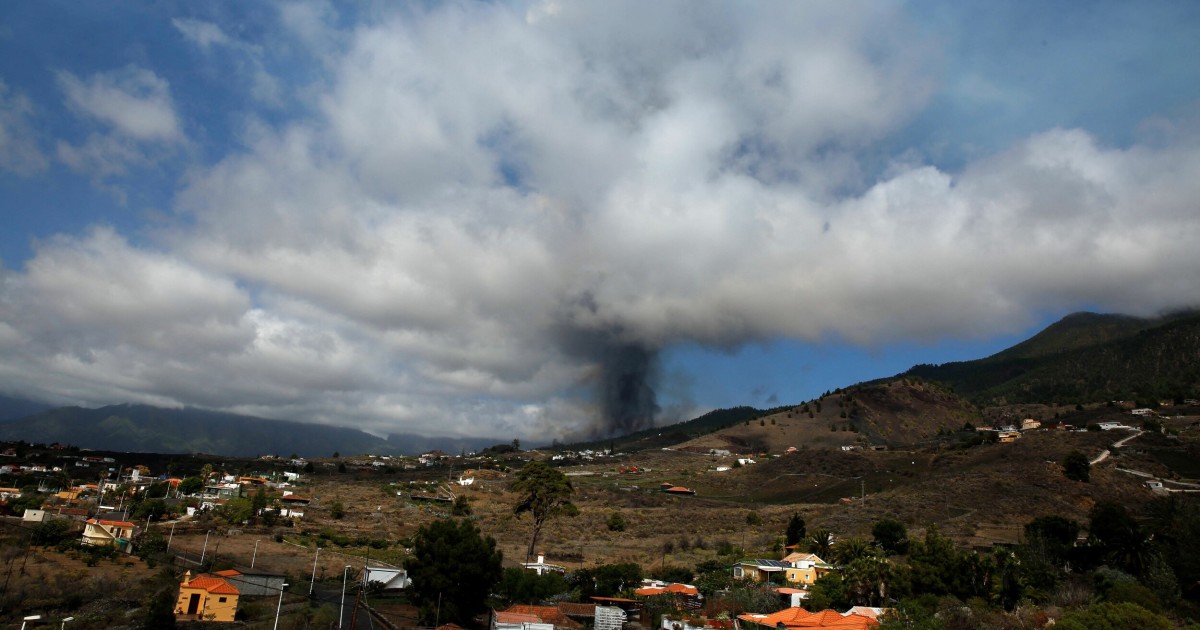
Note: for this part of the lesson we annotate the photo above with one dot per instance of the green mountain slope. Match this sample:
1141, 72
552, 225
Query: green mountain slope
1084, 357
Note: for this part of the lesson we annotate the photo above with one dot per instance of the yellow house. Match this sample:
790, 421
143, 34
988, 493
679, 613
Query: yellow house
804, 568
206, 598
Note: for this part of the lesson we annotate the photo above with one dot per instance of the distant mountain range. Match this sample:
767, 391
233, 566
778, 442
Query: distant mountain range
1085, 357
143, 428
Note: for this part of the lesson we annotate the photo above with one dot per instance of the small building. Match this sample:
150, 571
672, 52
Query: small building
805, 568
549, 617
686, 596
252, 583
206, 598
389, 578
760, 570
105, 533
542, 567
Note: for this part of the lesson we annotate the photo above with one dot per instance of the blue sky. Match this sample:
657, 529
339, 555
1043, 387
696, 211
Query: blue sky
465, 218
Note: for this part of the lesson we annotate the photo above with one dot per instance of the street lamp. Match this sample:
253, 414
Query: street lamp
280, 605
28, 619
172, 536
205, 548
342, 610
64, 622
314, 577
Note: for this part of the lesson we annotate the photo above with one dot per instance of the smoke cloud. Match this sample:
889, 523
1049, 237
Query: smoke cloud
495, 218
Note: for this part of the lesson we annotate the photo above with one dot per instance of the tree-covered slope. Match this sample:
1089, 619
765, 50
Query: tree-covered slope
1085, 357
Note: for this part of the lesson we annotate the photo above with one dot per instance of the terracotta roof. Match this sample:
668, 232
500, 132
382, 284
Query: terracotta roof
547, 614
229, 573
800, 618
97, 521
449, 626
682, 589
213, 585
577, 610
507, 617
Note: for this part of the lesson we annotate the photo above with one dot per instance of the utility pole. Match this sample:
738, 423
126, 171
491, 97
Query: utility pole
314, 575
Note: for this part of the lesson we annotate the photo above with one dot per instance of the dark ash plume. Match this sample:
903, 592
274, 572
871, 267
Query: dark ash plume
627, 372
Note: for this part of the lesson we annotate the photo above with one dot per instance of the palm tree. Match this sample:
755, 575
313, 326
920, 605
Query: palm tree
851, 549
821, 543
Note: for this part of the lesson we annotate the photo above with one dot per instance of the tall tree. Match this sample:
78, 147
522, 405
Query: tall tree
891, 536
796, 530
453, 569
545, 493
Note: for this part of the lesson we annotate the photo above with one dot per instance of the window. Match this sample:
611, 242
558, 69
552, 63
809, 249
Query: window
737, 572
221, 600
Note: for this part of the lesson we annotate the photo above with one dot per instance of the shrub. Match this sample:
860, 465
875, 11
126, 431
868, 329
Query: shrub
616, 522
1076, 466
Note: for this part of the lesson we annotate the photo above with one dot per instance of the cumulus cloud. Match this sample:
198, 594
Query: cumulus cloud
498, 216
135, 102
136, 113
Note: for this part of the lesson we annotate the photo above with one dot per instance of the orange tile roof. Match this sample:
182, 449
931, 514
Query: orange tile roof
97, 521
682, 589
508, 617
799, 618
213, 585
577, 610
546, 614
229, 573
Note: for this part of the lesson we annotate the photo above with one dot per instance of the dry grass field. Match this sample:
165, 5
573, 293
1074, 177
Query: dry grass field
977, 495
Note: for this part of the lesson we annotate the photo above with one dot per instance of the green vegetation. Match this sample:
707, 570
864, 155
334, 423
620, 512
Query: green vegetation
1084, 357
1076, 466
545, 493
453, 569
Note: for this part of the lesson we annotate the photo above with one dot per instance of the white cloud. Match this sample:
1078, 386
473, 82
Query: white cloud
19, 151
133, 101
489, 204
204, 34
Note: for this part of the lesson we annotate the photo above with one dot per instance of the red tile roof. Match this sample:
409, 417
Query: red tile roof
213, 585
547, 614
507, 617
577, 610
800, 618
95, 521
681, 589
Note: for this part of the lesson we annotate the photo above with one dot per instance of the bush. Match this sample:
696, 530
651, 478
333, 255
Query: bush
616, 522
1076, 466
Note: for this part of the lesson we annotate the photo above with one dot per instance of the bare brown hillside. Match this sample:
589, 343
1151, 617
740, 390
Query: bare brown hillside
898, 413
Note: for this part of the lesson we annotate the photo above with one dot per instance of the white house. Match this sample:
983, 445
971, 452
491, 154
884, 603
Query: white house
390, 577
541, 566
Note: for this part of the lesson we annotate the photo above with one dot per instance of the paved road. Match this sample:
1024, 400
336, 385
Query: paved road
1118, 444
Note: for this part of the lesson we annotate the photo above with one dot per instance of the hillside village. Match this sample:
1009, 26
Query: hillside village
685, 536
